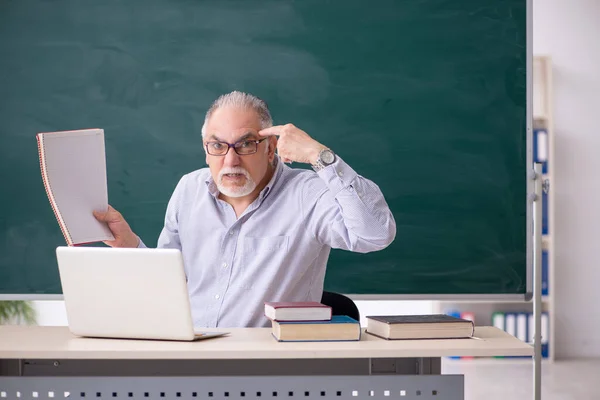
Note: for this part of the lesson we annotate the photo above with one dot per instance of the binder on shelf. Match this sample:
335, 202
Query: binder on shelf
521, 326
544, 272
530, 328
511, 323
540, 155
498, 320
545, 222
541, 149
545, 320
545, 334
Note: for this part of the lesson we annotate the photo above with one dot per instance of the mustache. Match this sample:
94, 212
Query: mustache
234, 170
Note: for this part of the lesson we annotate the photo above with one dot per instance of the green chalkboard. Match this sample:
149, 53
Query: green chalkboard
427, 98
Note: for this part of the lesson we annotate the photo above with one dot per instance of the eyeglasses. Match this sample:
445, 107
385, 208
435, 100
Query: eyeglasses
243, 147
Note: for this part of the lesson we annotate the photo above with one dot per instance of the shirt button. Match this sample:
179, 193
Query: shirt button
217, 296
340, 174
231, 232
224, 265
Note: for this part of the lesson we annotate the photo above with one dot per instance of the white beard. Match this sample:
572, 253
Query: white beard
235, 191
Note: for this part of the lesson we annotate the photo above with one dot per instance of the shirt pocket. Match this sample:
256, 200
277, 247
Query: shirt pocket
263, 259
265, 245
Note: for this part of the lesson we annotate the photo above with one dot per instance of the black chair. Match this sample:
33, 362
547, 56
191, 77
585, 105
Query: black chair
340, 305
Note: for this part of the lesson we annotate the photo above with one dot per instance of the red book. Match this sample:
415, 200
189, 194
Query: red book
297, 311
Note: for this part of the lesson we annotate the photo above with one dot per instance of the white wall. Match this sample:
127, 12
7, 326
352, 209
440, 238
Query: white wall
569, 31
50, 313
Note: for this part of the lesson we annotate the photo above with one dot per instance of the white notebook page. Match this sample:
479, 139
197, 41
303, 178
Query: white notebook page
75, 165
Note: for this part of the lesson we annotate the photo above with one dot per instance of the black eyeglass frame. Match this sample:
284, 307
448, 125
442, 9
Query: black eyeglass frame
238, 143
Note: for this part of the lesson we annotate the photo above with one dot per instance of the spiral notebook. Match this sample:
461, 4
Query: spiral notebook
73, 166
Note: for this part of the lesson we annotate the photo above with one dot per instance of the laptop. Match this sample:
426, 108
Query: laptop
127, 293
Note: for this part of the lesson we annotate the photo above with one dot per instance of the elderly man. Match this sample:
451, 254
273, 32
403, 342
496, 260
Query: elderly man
251, 229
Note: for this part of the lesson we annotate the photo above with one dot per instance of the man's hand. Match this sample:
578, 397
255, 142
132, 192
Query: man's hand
124, 236
294, 144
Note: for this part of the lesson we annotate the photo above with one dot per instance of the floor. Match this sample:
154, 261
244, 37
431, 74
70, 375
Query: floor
512, 379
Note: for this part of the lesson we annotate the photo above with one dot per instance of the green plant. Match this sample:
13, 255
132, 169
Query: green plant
16, 311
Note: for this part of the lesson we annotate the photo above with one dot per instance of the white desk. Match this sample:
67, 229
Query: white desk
51, 357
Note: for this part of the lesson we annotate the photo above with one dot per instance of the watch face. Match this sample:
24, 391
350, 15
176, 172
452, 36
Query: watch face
327, 156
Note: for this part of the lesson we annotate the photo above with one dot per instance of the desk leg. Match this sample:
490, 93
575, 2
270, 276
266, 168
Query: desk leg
11, 367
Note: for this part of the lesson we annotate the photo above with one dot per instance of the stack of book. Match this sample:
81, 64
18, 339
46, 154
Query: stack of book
309, 322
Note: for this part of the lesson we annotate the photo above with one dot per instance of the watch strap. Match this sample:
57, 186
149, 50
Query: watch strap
319, 165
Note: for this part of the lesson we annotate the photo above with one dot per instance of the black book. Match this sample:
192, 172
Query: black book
432, 326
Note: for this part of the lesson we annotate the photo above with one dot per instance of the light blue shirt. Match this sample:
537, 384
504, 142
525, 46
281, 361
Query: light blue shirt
277, 250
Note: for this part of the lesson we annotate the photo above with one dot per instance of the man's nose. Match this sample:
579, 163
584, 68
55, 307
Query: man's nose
232, 159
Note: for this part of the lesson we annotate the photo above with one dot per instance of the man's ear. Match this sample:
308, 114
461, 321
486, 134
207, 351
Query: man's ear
205, 155
272, 147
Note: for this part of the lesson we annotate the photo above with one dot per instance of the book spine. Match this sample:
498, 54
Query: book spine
456, 314
57, 214
469, 316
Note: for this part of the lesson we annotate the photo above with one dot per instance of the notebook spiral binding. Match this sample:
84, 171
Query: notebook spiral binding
63, 227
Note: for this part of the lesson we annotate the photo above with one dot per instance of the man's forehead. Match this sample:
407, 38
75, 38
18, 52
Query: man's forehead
232, 136
233, 123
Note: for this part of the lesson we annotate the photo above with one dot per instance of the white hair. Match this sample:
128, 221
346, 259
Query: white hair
244, 101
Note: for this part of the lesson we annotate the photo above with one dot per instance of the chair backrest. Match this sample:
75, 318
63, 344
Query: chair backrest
340, 305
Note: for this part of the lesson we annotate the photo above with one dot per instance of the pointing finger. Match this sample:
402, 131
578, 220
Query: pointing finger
272, 131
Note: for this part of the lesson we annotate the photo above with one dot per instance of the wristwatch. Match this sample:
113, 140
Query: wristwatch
326, 157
